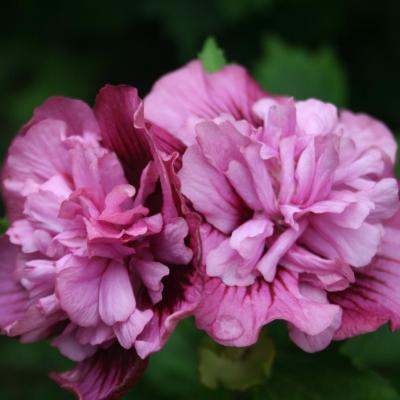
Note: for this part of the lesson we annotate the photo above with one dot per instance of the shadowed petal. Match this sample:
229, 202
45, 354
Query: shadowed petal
107, 375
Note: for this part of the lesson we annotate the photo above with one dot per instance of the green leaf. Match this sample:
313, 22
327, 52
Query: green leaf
377, 349
3, 225
327, 375
236, 368
212, 56
293, 71
173, 372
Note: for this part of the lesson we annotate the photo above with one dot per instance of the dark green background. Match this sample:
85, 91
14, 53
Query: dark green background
342, 51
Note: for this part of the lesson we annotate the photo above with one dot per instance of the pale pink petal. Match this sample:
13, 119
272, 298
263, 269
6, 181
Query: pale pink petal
269, 262
226, 263
76, 114
14, 299
368, 132
357, 247
305, 171
119, 205
43, 208
30, 164
36, 324
116, 299
318, 342
315, 117
96, 335
249, 238
233, 316
128, 331
169, 246
209, 191
151, 274
311, 316
78, 287
71, 348
220, 144
190, 92
385, 197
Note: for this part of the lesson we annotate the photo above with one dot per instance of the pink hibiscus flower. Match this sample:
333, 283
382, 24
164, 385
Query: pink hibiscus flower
299, 205
96, 252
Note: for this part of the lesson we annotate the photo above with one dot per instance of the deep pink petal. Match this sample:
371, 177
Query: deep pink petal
374, 298
181, 295
119, 111
107, 375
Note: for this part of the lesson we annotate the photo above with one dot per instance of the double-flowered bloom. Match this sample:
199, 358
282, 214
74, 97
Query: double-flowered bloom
212, 198
299, 205
96, 253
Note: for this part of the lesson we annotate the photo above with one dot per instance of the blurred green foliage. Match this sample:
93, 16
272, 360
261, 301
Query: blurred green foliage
340, 51
300, 73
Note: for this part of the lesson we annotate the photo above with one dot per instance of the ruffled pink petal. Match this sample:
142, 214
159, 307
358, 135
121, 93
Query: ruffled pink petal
310, 315
315, 117
78, 288
30, 164
374, 298
209, 191
77, 115
14, 299
385, 197
269, 262
116, 299
368, 132
43, 208
356, 247
128, 331
181, 295
226, 263
119, 205
169, 246
183, 96
220, 144
70, 347
96, 335
39, 277
107, 375
249, 238
36, 323
333, 273
148, 182
231, 315
318, 342
151, 273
